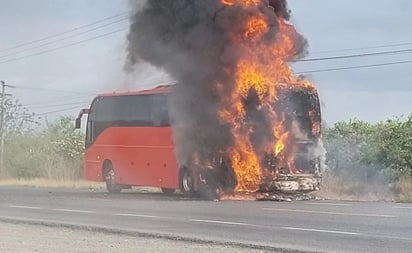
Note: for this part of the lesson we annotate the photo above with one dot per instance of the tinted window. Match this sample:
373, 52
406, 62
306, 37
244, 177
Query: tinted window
123, 109
142, 110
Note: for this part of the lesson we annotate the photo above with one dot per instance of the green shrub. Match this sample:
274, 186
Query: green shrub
56, 152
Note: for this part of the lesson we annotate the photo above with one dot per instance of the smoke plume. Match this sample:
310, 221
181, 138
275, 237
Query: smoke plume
201, 44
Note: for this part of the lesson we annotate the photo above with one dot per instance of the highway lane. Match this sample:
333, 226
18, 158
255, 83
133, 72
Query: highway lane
327, 226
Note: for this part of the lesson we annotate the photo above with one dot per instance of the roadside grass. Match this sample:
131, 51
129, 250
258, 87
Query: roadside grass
52, 183
340, 189
405, 191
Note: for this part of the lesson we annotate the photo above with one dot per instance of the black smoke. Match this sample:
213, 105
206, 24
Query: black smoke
281, 8
191, 41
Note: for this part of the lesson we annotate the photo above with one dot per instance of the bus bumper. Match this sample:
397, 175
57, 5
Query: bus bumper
293, 183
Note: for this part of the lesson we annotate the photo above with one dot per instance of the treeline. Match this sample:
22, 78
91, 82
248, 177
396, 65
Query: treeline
358, 149
35, 148
54, 151
359, 153
369, 159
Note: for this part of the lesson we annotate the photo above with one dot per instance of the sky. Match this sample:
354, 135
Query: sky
61, 82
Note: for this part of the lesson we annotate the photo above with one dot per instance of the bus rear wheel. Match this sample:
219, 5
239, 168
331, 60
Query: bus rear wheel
186, 183
110, 179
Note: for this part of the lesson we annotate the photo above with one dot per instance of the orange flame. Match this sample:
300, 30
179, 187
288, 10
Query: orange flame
262, 70
256, 27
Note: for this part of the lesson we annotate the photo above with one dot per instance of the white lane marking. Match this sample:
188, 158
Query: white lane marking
322, 231
25, 207
135, 215
402, 207
389, 237
331, 213
221, 222
72, 210
327, 204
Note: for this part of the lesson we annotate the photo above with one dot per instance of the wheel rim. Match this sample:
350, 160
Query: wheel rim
187, 182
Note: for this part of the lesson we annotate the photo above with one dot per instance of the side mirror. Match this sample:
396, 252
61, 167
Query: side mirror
78, 123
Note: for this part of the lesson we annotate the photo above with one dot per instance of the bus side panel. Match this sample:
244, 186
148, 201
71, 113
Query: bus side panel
140, 156
92, 168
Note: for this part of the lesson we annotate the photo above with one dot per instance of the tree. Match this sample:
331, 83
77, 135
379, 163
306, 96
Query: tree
17, 121
395, 145
17, 118
67, 141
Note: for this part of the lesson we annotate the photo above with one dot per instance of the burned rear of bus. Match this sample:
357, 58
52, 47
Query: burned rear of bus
297, 168
294, 166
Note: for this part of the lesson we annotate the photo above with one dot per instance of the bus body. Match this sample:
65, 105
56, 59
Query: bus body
126, 132
129, 142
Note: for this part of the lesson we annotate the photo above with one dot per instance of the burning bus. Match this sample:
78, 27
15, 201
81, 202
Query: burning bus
130, 142
240, 119
292, 165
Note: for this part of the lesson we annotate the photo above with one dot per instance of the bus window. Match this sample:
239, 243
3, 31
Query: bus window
126, 111
159, 114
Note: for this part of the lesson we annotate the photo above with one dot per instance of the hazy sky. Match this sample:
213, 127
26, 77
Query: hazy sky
371, 94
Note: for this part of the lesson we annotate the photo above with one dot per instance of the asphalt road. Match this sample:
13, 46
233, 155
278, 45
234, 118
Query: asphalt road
326, 226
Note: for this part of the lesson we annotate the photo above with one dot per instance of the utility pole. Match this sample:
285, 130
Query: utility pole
3, 123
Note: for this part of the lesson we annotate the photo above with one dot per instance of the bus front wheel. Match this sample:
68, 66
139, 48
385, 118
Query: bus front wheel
110, 179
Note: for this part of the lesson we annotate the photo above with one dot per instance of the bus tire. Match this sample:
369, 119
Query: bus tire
168, 191
110, 179
186, 183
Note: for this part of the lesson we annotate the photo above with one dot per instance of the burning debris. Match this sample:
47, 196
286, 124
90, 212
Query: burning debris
240, 117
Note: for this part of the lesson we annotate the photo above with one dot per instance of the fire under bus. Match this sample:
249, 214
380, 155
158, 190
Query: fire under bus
129, 142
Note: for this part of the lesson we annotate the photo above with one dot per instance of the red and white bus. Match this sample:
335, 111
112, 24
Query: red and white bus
129, 142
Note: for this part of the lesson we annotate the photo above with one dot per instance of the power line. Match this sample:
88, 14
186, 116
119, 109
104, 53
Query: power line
354, 67
56, 111
62, 39
55, 100
47, 89
393, 52
64, 32
363, 48
56, 105
64, 46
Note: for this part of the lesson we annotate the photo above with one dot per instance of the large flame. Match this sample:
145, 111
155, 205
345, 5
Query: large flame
239, 114
263, 68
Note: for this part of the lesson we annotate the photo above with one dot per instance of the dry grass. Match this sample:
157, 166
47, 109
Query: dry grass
52, 183
405, 190
340, 189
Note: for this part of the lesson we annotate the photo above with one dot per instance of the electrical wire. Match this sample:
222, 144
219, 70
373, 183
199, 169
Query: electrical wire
55, 105
393, 52
363, 48
56, 111
56, 100
61, 39
354, 67
64, 32
47, 89
64, 46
